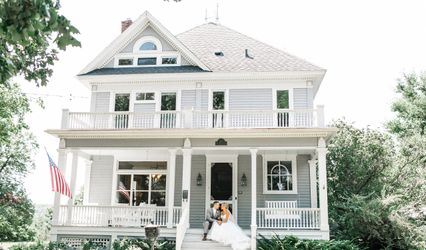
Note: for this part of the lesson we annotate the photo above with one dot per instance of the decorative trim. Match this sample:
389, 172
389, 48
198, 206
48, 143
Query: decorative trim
192, 133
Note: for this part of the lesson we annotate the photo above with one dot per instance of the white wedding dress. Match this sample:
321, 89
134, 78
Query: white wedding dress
230, 233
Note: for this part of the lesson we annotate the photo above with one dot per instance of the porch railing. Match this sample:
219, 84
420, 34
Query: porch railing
288, 218
298, 118
182, 226
116, 216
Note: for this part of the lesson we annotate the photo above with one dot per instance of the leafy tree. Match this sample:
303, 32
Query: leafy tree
16, 212
368, 190
410, 108
31, 34
16, 146
357, 161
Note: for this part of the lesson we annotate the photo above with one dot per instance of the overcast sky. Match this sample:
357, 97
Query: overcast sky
364, 45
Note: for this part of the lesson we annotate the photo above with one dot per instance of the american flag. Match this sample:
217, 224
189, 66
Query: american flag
59, 184
122, 190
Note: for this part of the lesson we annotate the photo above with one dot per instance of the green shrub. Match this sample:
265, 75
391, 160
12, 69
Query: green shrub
134, 244
54, 245
293, 243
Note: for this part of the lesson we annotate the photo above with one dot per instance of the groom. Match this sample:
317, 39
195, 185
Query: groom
212, 215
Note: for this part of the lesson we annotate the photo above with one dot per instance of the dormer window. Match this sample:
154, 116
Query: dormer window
148, 52
148, 46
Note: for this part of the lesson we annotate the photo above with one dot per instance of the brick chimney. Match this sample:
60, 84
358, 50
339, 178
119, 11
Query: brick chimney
125, 24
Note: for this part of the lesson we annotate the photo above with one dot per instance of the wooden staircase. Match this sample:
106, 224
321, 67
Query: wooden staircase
192, 241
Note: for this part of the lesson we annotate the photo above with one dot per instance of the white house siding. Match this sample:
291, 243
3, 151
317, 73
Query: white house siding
194, 98
100, 180
144, 107
244, 193
250, 99
198, 193
100, 102
178, 181
302, 98
244, 196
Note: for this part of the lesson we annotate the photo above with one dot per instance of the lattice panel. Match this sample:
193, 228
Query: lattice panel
77, 242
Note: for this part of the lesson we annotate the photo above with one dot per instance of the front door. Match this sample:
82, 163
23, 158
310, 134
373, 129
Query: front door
221, 185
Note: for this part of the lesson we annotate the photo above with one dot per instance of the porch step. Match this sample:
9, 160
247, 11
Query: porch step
193, 241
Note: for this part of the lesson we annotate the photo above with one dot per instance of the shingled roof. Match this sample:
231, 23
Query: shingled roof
207, 39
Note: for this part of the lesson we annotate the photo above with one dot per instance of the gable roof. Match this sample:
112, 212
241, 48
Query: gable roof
206, 39
145, 20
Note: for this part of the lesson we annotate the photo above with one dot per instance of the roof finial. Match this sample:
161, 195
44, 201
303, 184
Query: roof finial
217, 13
212, 18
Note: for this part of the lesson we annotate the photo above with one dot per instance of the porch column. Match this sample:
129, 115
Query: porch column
171, 169
322, 179
186, 171
62, 165
313, 182
87, 177
253, 225
74, 167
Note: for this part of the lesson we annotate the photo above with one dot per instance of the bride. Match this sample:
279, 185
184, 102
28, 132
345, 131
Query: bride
229, 233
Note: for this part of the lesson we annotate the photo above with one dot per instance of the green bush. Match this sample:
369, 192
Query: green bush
293, 243
125, 244
54, 245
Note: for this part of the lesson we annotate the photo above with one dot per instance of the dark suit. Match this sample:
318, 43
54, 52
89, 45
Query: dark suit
211, 217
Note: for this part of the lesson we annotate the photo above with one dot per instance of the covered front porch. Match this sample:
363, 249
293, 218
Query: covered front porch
263, 200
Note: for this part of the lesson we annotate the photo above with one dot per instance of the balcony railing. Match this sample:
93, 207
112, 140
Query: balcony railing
116, 216
299, 118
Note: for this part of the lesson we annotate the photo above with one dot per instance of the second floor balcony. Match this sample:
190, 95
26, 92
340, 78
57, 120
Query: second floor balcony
216, 119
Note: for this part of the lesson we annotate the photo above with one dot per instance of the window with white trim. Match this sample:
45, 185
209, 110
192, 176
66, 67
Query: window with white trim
141, 183
169, 60
279, 175
125, 62
145, 96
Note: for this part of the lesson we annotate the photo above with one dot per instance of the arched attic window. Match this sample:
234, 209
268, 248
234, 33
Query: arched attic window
147, 44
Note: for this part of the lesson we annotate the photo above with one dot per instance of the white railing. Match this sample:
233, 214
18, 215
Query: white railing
112, 216
123, 120
300, 118
182, 226
288, 218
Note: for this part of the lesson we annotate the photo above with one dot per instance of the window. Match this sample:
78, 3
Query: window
168, 101
147, 96
169, 60
148, 46
142, 165
283, 99
280, 175
218, 100
147, 61
125, 62
142, 187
